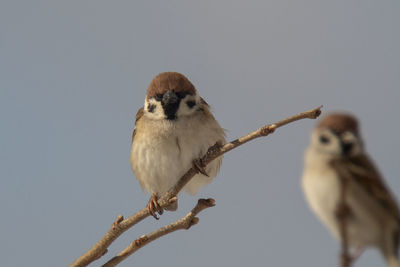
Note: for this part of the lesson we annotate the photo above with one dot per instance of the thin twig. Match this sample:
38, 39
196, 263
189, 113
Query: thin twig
185, 223
120, 225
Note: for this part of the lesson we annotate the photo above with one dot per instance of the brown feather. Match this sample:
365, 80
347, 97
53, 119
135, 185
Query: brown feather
363, 172
166, 81
340, 122
139, 114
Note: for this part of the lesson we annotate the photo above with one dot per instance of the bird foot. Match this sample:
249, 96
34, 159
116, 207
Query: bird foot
200, 167
153, 206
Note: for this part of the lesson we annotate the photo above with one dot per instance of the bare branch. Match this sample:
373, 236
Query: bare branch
217, 150
184, 223
120, 225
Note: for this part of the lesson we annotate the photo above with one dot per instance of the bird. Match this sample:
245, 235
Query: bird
336, 152
173, 129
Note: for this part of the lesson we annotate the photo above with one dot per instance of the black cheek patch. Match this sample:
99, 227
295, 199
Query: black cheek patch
151, 107
324, 140
190, 104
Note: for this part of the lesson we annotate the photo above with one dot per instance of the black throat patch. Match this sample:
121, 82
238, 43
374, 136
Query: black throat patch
170, 109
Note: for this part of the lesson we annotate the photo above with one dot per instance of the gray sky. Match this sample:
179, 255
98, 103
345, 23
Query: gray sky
74, 73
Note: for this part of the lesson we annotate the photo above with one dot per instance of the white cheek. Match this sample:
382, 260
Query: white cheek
184, 109
158, 111
332, 148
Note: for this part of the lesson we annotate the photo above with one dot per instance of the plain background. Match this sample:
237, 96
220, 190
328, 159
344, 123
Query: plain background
73, 74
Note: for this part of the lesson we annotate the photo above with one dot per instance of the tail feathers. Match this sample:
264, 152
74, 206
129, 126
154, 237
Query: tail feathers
393, 261
391, 248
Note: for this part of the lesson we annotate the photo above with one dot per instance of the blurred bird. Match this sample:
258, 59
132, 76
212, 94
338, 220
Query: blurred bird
172, 131
337, 152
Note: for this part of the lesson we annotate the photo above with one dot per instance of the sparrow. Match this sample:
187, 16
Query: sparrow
337, 152
173, 129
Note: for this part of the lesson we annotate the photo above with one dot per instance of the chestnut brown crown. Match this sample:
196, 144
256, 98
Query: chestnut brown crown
340, 123
169, 81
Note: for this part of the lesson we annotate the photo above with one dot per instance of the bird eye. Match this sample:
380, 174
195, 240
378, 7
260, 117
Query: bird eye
158, 97
324, 140
190, 104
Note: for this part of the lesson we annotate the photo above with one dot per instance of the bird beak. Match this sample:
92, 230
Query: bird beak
346, 147
169, 98
170, 103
